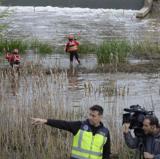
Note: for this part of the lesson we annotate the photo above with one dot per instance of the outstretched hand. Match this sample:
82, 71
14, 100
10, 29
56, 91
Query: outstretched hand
38, 121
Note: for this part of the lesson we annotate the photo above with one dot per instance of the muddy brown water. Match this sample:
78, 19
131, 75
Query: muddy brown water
75, 90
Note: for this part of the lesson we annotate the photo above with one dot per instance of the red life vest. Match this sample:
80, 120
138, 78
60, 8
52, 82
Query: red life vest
13, 58
16, 58
72, 46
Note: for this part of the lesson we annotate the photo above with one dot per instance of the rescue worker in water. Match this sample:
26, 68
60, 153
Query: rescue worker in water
91, 139
72, 48
13, 58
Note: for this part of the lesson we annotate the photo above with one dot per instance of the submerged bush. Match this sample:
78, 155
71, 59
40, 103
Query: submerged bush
86, 48
23, 45
145, 49
113, 51
41, 47
12, 44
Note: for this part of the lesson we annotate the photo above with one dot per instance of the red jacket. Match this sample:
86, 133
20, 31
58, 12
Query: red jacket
13, 58
72, 46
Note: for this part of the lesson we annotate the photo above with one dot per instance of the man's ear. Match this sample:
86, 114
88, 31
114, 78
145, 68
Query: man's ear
153, 127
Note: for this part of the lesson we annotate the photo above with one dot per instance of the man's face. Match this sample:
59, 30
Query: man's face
94, 118
148, 129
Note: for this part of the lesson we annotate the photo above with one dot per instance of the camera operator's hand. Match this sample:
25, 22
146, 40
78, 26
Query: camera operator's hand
148, 155
126, 127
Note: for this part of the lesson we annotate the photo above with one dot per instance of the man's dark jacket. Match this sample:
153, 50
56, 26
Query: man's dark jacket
151, 143
74, 126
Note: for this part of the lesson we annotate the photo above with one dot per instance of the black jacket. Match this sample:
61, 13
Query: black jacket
74, 126
151, 143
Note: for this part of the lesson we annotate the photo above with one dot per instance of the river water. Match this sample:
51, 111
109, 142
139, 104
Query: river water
94, 25
77, 90
123, 4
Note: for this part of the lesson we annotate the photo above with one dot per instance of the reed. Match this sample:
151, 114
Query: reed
20, 138
145, 49
12, 44
41, 47
41, 96
87, 48
113, 52
36, 45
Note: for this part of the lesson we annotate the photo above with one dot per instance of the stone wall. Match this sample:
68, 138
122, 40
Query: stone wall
150, 6
145, 10
156, 6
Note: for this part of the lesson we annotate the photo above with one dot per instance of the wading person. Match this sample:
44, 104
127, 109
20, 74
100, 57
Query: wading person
149, 143
91, 139
72, 48
13, 58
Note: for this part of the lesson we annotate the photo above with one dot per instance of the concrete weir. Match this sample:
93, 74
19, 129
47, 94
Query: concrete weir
145, 10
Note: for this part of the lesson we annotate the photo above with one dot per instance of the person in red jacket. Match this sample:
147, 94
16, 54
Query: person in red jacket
13, 58
72, 48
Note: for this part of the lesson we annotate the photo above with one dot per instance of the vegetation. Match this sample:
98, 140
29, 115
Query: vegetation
146, 49
116, 52
87, 47
11, 44
108, 52
19, 138
23, 45
41, 47
113, 52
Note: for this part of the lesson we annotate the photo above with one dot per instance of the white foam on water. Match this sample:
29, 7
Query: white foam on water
52, 23
65, 9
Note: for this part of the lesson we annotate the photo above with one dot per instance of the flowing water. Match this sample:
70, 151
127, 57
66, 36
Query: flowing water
53, 24
123, 4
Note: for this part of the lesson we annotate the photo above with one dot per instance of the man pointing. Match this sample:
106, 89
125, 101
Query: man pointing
91, 140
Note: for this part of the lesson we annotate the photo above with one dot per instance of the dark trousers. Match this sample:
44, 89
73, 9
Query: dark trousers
14, 63
72, 55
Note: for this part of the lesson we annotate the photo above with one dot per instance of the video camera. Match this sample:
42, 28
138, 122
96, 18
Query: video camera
135, 117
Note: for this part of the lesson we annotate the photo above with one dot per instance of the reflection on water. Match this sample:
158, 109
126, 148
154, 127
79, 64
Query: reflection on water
73, 90
59, 60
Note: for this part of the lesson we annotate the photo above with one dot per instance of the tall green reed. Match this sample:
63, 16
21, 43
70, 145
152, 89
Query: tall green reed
113, 51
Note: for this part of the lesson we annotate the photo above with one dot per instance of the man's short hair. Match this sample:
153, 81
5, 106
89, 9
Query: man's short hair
153, 120
97, 108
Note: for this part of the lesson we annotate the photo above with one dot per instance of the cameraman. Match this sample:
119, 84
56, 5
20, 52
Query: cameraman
150, 143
